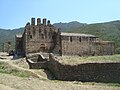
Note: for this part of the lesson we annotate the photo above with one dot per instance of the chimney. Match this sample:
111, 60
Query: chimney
38, 21
32, 21
48, 22
44, 21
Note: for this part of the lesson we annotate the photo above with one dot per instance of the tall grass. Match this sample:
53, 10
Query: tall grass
7, 69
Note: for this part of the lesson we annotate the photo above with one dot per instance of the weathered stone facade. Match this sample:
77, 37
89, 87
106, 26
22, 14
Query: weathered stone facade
77, 44
19, 45
44, 37
7, 46
85, 45
40, 38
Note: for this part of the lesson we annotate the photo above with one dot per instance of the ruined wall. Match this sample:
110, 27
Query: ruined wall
44, 37
36, 65
93, 72
82, 46
87, 72
36, 61
76, 45
19, 50
6, 46
104, 48
41, 37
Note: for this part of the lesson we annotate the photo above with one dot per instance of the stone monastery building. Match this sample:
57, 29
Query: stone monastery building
45, 37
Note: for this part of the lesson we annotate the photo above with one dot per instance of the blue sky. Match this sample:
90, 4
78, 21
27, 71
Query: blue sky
16, 13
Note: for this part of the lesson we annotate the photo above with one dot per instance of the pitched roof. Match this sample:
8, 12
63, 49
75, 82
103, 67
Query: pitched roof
77, 34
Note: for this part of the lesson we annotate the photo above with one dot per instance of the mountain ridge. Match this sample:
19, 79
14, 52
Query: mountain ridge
105, 31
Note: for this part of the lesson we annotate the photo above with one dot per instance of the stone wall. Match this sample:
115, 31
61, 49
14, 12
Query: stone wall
7, 46
36, 65
90, 72
36, 61
104, 48
75, 48
42, 37
86, 46
77, 45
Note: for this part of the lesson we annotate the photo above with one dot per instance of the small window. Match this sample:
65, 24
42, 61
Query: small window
70, 38
91, 39
80, 39
9, 43
30, 36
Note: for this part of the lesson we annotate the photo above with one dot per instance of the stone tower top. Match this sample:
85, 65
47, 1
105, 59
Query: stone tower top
48, 22
32, 21
44, 21
38, 21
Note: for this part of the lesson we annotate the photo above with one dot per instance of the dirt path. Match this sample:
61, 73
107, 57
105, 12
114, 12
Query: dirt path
24, 69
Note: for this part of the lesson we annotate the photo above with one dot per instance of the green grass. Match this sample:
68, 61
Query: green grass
90, 59
106, 58
114, 84
95, 83
7, 69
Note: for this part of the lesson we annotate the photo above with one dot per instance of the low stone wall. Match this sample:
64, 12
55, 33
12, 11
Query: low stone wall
36, 61
86, 72
93, 72
36, 65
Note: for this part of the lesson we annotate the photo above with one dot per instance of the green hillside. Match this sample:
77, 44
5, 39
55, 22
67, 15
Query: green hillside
9, 35
70, 25
105, 31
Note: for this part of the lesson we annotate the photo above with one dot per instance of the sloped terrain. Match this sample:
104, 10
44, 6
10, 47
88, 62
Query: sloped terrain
15, 75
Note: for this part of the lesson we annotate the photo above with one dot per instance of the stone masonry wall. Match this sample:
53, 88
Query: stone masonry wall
93, 72
86, 47
36, 61
42, 37
104, 48
75, 48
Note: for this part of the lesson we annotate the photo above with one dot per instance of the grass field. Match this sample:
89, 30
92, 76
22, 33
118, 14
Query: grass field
15, 75
90, 59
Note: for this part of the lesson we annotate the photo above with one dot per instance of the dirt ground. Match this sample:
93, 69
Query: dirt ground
10, 82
